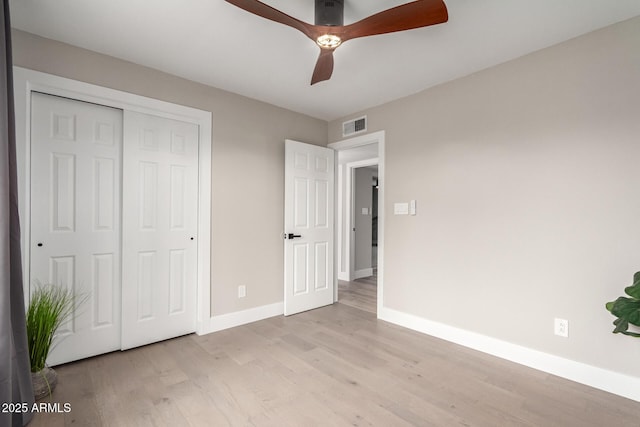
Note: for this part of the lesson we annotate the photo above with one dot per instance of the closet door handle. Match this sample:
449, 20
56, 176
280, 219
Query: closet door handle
292, 236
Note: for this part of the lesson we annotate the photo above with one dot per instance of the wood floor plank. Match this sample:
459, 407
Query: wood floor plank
337, 365
361, 293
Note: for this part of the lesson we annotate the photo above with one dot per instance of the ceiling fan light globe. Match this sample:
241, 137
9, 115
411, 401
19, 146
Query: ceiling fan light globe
328, 41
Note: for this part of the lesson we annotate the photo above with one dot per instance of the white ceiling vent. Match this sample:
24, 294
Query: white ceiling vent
354, 126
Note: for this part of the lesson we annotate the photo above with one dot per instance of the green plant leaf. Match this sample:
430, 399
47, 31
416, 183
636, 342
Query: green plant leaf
634, 289
48, 308
621, 325
628, 309
621, 305
609, 305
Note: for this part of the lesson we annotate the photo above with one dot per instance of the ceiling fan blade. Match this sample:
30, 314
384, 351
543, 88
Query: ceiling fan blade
258, 8
417, 14
324, 66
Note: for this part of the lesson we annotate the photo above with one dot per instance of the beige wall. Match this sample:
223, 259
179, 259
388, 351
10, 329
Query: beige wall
247, 167
528, 189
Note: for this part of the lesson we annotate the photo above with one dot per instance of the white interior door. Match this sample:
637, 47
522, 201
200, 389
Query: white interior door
160, 208
75, 217
308, 225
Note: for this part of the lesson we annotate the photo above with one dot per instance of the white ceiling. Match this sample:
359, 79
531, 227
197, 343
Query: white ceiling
215, 43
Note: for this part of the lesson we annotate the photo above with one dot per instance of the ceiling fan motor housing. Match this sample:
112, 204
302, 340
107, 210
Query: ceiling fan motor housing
329, 12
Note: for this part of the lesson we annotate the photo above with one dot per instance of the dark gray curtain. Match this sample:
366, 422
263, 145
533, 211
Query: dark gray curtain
15, 376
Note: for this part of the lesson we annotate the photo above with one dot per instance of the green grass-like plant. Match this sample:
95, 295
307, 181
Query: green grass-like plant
49, 307
627, 310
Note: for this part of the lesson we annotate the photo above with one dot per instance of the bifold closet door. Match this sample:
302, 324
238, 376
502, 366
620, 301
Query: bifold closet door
75, 217
160, 205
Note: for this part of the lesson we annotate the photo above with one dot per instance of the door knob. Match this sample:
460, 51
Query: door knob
293, 236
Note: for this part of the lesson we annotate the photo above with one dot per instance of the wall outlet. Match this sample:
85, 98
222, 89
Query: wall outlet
242, 291
561, 327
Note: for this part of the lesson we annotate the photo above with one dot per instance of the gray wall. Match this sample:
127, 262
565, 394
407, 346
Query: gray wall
528, 189
247, 163
363, 223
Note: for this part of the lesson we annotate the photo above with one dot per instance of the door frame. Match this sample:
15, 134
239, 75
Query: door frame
26, 81
359, 141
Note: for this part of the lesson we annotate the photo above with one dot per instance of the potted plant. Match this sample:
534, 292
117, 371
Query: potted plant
49, 307
627, 309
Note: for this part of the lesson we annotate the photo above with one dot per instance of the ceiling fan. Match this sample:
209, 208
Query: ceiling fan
329, 31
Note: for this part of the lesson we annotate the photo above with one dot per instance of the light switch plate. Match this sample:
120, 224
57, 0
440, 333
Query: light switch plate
365, 211
412, 207
401, 208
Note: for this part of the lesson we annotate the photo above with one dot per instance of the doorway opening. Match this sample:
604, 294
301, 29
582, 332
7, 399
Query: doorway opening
360, 221
360, 290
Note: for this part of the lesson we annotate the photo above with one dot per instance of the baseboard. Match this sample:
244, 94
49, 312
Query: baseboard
238, 318
343, 276
603, 379
365, 272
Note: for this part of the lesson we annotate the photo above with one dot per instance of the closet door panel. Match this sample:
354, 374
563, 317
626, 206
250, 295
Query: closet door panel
75, 218
160, 203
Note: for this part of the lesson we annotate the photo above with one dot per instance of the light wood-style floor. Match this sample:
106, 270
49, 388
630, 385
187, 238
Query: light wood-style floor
361, 293
334, 366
